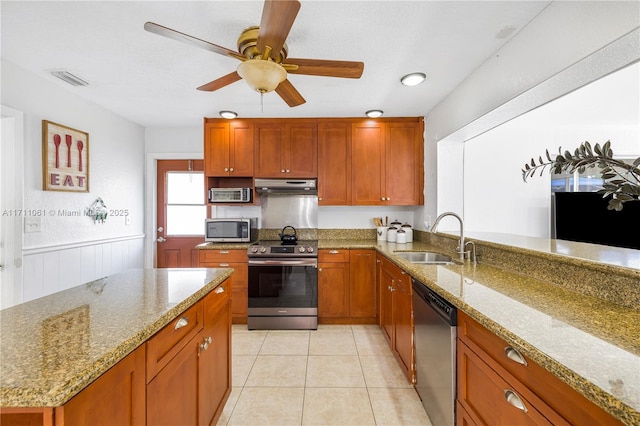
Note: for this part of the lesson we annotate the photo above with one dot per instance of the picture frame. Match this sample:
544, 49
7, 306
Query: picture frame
65, 158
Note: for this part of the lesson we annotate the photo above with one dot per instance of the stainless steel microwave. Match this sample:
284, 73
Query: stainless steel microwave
228, 230
230, 195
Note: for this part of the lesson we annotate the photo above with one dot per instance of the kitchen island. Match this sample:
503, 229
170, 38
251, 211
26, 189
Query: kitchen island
54, 347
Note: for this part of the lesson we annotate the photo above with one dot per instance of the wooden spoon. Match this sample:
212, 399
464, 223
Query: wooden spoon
69, 142
80, 147
56, 142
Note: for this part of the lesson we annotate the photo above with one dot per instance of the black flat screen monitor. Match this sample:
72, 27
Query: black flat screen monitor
584, 217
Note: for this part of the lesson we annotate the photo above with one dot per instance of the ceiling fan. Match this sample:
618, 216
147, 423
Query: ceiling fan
263, 52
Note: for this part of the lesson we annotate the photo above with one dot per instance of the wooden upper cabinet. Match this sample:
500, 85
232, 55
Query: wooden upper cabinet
387, 162
334, 163
286, 148
228, 148
368, 163
404, 176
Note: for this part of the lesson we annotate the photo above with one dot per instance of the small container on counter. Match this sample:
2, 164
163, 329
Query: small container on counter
401, 236
407, 228
391, 234
381, 232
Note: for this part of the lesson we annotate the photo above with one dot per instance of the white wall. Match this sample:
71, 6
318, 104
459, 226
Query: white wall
567, 46
116, 150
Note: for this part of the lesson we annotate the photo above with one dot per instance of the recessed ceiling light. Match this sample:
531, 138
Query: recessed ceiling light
413, 79
228, 114
374, 113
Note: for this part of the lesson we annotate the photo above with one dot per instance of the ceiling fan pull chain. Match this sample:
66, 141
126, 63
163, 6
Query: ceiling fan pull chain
262, 102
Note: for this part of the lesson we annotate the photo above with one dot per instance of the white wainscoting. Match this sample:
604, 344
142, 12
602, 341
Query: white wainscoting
55, 268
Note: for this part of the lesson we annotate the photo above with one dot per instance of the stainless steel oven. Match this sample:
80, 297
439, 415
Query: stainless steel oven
283, 287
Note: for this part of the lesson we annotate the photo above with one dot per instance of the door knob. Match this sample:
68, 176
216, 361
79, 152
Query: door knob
161, 240
160, 229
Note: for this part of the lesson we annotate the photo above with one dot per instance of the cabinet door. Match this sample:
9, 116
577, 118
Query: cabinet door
115, 398
172, 396
362, 284
403, 173
215, 357
334, 163
241, 148
302, 146
216, 149
367, 164
403, 326
386, 304
333, 290
269, 150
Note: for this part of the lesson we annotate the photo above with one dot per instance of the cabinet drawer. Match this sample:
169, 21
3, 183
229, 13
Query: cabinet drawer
561, 397
216, 298
491, 400
166, 343
333, 255
222, 255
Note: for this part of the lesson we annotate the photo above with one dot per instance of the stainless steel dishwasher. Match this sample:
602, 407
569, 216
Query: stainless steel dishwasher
435, 344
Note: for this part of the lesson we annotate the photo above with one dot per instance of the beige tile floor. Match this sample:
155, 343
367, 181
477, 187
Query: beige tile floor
336, 375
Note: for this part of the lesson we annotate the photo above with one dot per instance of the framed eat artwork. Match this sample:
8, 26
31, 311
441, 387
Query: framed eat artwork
65, 158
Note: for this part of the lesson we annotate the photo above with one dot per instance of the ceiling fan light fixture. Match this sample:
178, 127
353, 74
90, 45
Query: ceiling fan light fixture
228, 114
374, 113
262, 75
413, 79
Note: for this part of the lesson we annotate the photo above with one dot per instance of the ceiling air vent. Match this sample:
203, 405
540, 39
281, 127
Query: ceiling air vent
70, 78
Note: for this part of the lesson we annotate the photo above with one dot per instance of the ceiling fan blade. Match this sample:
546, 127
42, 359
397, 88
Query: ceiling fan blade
326, 68
289, 94
275, 24
220, 82
152, 27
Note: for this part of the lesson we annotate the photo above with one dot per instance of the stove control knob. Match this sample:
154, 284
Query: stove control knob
309, 249
263, 249
301, 249
254, 249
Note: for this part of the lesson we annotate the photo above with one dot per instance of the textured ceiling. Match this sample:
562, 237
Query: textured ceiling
152, 80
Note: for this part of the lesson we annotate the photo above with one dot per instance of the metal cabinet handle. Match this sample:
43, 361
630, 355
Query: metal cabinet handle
219, 290
514, 355
226, 169
333, 252
182, 322
281, 170
513, 399
205, 344
224, 265
161, 239
231, 169
224, 252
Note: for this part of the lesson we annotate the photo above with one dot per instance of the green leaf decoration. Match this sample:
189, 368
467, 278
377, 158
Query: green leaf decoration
620, 179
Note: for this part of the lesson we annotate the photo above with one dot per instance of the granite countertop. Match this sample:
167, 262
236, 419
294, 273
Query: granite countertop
55, 346
589, 343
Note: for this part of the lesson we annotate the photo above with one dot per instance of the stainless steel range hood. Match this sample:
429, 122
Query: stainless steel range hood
286, 186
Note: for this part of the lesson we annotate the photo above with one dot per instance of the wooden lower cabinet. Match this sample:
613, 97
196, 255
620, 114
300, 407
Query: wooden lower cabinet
194, 386
396, 313
116, 397
346, 286
362, 284
238, 260
494, 379
333, 285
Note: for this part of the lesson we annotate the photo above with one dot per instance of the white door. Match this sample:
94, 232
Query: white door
11, 213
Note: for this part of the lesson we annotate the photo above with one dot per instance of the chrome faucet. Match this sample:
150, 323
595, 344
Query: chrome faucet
461, 246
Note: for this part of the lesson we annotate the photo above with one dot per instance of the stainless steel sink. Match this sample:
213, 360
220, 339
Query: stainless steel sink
426, 257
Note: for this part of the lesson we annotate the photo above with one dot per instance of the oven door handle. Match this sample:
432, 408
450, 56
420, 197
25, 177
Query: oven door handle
280, 262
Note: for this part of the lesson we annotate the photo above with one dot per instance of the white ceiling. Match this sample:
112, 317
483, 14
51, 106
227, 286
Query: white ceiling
152, 80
